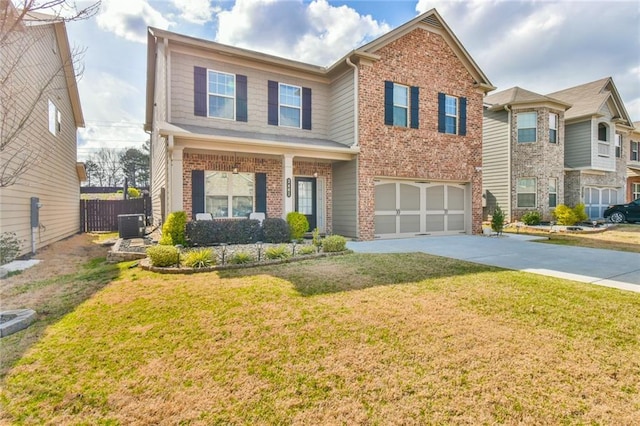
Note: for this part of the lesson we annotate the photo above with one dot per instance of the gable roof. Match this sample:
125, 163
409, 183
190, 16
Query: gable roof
433, 22
588, 100
519, 96
429, 20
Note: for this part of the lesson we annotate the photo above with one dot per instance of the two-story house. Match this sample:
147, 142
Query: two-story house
633, 163
385, 142
561, 148
39, 116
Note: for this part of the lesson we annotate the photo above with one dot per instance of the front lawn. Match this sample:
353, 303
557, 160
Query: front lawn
355, 339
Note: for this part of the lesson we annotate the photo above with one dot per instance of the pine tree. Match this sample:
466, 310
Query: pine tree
497, 220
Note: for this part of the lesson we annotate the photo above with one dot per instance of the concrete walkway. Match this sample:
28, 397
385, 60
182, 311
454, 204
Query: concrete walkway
603, 267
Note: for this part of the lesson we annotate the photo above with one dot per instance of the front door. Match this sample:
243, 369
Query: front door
306, 199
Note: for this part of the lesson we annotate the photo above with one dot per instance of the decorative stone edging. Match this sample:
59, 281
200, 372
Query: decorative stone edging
146, 264
16, 320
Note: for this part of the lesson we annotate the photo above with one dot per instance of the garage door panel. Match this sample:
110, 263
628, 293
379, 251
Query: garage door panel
435, 197
455, 222
409, 223
409, 197
385, 224
455, 198
385, 196
434, 223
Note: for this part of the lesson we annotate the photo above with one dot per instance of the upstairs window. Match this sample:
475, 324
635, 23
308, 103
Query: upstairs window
401, 105
527, 126
222, 95
55, 119
634, 151
603, 132
452, 114
219, 94
290, 105
618, 143
553, 128
553, 192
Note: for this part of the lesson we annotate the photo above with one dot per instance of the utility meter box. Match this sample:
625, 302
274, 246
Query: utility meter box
131, 225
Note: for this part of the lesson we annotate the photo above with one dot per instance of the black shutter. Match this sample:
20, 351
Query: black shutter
197, 192
441, 113
261, 193
463, 117
306, 108
241, 98
415, 107
200, 91
388, 103
272, 103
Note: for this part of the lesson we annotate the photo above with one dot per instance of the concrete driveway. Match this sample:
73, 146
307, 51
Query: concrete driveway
603, 267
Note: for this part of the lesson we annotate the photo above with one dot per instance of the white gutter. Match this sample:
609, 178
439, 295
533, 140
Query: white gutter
355, 100
509, 203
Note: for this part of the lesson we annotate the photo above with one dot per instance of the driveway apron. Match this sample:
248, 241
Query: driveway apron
520, 252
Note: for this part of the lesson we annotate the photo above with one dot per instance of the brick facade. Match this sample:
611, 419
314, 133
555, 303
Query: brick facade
272, 166
541, 160
423, 59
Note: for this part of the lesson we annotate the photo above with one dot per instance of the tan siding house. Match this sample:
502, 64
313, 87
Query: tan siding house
236, 131
46, 143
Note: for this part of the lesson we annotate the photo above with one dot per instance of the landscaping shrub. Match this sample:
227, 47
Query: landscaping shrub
532, 218
247, 231
174, 227
334, 243
276, 230
241, 257
298, 224
133, 192
317, 241
9, 247
210, 232
581, 212
497, 220
163, 255
567, 216
278, 252
199, 258
201, 233
307, 249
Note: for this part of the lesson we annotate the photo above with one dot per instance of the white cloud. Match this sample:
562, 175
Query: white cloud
129, 19
317, 32
195, 11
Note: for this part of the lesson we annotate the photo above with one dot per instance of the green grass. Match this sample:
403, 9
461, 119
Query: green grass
354, 339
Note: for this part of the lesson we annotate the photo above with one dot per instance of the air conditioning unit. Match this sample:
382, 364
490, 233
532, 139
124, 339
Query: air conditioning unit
131, 225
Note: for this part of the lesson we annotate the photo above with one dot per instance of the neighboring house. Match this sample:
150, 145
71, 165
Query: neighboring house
385, 142
561, 148
633, 163
523, 153
40, 115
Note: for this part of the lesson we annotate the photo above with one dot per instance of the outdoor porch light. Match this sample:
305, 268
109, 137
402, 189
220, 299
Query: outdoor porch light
235, 169
315, 174
259, 247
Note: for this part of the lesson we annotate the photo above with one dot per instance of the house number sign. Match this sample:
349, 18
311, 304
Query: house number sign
288, 187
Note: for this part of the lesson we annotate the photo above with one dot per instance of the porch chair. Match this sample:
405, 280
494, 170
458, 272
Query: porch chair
204, 216
258, 216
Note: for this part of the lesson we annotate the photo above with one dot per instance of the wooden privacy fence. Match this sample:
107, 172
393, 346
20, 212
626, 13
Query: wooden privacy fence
102, 215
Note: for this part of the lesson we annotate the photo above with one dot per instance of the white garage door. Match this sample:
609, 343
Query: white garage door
407, 209
596, 200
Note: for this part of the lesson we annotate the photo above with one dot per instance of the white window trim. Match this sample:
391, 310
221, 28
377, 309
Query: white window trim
555, 192
299, 108
406, 107
518, 128
618, 145
209, 94
535, 193
554, 128
229, 194
456, 116
635, 190
636, 150
54, 118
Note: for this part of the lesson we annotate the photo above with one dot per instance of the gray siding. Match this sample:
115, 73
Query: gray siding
495, 161
345, 199
578, 146
182, 97
52, 176
341, 114
158, 144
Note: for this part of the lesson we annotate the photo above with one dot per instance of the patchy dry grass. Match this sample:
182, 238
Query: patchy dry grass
356, 339
619, 237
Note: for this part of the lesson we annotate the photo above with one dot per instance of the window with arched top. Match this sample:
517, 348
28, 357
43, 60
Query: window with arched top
603, 132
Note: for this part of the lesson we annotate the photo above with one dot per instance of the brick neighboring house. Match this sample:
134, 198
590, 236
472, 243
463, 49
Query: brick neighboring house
39, 118
565, 147
386, 142
632, 154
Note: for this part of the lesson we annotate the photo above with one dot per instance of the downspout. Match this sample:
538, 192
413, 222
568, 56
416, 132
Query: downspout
355, 101
509, 203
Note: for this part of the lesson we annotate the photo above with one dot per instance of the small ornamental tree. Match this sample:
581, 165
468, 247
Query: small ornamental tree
497, 220
173, 229
298, 224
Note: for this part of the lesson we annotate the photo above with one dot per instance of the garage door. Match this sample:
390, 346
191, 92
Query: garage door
596, 200
406, 209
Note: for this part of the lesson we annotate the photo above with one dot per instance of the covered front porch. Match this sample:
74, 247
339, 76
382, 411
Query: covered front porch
231, 176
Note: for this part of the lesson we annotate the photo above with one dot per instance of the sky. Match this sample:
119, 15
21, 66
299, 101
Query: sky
542, 46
